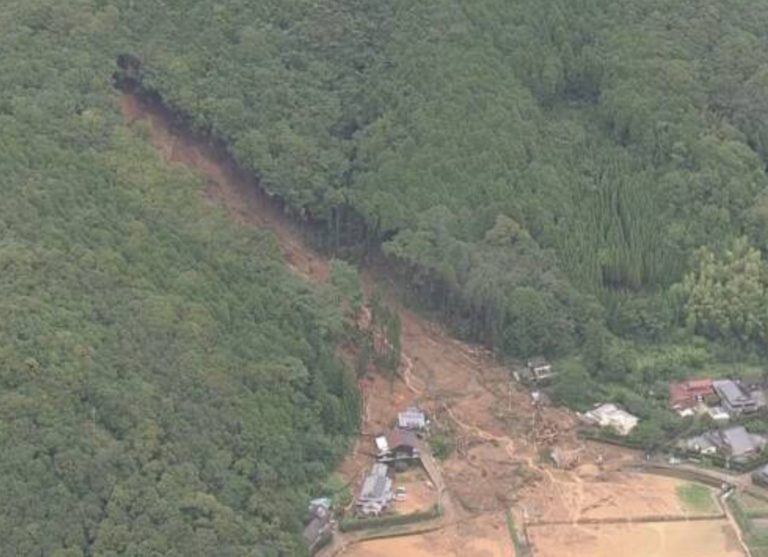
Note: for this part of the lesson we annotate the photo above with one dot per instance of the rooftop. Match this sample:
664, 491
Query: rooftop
732, 392
411, 418
401, 438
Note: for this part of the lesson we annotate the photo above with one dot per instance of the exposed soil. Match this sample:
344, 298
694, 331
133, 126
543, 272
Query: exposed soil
499, 436
662, 539
420, 494
484, 536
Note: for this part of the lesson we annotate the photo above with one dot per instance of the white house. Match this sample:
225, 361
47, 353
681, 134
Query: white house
610, 415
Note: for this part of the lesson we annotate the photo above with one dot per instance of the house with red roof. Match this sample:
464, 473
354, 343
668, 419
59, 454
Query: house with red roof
688, 394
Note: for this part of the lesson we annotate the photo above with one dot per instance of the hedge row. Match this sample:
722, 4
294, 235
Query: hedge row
351, 524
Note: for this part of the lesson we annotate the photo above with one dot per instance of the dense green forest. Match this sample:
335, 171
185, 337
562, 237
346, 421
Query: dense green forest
581, 179
166, 386
527, 168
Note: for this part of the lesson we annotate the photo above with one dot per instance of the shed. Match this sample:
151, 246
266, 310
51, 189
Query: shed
540, 369
412, 419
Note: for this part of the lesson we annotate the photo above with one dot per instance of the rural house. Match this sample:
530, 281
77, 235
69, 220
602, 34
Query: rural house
610, 415
689, 394
412, 419
398, 444
734, 442
376, 491
734, 398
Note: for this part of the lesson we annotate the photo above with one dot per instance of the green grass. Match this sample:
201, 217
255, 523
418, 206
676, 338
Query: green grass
752, 505
697, 498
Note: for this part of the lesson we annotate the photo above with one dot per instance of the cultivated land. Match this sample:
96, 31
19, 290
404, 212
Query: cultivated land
662, 539
499, 436
484, 536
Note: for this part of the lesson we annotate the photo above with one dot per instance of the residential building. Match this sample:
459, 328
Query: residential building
401, 445
412, 419
735, 399
733, 442
688, 394
376, 491
610, 415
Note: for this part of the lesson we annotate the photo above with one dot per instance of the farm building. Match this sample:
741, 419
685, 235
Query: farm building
610, 415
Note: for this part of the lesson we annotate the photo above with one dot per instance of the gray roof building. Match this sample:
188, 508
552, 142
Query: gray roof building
377, 487
733, 397
739, 441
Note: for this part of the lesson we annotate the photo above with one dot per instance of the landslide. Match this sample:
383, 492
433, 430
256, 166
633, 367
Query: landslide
497, 432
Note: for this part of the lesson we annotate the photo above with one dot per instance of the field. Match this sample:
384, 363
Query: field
485, 536
713, 538
697, 498
587, 493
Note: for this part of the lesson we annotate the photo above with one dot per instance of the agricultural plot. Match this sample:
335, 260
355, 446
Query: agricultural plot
484, 536
708, 538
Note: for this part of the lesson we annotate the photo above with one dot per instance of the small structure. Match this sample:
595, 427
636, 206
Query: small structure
540, 369
376, 491
689, 394
734, 398
610, 415
382, 446
718, 414
320, 523
412, 419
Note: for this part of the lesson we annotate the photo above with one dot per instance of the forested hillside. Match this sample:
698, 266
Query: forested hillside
530, 167
580, 179
166, 387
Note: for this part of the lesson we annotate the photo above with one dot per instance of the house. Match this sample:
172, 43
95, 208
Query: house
376, 491
412, 419
402, 445
734, 442
739, 444
610, 415
540, 369
688, 394
734, 398
320, 522
701, 444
